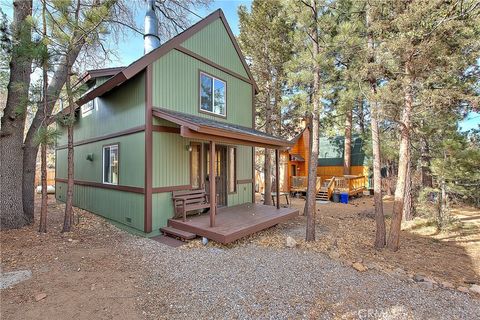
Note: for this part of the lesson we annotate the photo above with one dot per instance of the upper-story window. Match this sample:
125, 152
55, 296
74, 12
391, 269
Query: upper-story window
213, 95
88, 107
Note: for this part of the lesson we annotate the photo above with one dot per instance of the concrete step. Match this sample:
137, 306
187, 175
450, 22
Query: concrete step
184, 235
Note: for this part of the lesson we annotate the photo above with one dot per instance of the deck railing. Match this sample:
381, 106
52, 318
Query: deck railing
350, 184
300, 183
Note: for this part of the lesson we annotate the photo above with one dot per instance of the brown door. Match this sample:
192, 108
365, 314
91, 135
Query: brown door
220, 173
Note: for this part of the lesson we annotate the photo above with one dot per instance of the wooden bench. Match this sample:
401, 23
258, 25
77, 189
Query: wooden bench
188, 200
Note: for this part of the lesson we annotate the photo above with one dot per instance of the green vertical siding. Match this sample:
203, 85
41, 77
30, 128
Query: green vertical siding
171, 160
131, 160
171, 167
244, 162
243, 195
176, 86
162, 209
214, 44
120, 109
123, 207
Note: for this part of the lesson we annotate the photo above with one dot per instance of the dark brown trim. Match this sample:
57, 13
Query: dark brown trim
277, 177
237, 48
188, 133
243, 181
167, 129
253, 148
105, 137
103, 185
243, 138
149, 58
148, 149
212, 181
199, 109
212, 64
97, 73
171, 188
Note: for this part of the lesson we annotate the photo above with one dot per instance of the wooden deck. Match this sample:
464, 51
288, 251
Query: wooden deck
235, 222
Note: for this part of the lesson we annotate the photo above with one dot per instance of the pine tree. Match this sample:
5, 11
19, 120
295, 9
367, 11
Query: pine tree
13, 120
266, 25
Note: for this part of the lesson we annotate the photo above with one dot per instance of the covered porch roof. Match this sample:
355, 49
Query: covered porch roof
202, 128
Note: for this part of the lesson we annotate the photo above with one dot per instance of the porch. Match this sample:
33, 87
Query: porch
213, 139
233, 223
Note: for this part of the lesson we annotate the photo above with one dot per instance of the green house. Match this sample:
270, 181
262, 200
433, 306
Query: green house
151, 128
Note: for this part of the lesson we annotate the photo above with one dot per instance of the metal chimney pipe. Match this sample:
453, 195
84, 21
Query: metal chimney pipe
151, 41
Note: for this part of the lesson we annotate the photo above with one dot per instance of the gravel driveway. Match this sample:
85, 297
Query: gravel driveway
252, 282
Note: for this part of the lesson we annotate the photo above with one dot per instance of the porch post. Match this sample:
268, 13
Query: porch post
277, 176
213, 193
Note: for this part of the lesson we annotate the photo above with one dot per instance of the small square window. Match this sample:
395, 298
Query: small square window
213, 97
110, 164
88, 107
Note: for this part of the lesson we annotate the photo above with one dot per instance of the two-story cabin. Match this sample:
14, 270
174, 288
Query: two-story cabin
145, 135
330, 166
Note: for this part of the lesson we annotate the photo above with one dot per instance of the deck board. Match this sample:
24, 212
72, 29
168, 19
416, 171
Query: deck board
235, 222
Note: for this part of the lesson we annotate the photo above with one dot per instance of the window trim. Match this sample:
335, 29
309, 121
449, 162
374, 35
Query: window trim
116, 144
234, 169
200, 110
86, 112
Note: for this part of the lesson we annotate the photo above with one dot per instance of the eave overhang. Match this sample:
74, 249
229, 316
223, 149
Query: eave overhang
195, 127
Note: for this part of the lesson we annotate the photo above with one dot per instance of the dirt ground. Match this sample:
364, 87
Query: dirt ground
347, 232
91, 273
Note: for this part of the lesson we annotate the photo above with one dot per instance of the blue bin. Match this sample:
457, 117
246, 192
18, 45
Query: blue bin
344, 197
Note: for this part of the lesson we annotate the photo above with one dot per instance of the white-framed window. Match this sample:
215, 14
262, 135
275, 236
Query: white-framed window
88, 107
213, 95
110, 164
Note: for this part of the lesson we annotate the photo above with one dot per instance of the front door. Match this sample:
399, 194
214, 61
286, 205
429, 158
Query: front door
220, 173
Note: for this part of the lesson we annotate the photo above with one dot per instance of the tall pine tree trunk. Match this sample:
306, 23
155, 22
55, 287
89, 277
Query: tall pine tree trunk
68, 219
313, 158
30, 151
425, 163
396, 224
43, 152
408, 203
43, 210
380, 233
347, 154
13, 121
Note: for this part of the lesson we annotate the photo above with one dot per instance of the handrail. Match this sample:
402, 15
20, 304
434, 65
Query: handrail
331, 187
356, 183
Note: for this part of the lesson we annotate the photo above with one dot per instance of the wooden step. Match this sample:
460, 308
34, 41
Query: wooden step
184, 235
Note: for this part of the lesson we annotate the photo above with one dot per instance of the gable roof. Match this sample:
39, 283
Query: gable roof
174, 43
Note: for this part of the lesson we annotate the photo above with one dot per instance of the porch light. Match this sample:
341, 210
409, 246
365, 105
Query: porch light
189, 148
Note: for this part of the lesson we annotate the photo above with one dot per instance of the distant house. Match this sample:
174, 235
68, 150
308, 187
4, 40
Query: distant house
329, 165
147, 132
